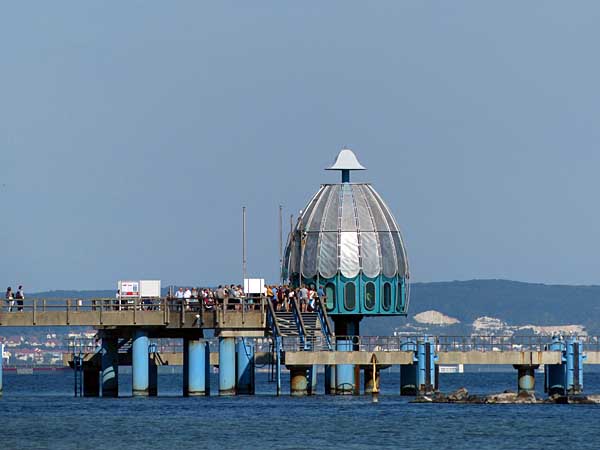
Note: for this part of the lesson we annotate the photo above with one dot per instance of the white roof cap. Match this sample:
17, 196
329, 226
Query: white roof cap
346, 160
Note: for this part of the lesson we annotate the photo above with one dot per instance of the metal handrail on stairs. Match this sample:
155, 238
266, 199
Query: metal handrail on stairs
299, 323
321, 311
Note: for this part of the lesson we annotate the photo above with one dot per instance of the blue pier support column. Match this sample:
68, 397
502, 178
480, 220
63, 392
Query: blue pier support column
526, 377
426, 365
110, 366
245, 366
194, 367
555, 374
345, 328
330, 379
408, 372
574, 369
227, 366
140, 363
344, 373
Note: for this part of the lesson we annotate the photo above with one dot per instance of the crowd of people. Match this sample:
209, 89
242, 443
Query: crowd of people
282, 297
14, 297
194, 297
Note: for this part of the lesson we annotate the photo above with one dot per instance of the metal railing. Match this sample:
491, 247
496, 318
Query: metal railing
170, 308
442, 343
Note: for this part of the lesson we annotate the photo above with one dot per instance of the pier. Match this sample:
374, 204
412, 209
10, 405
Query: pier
345, 256
249, 332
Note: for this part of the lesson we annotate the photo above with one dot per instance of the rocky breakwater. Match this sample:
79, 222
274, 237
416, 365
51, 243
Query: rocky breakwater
507, 397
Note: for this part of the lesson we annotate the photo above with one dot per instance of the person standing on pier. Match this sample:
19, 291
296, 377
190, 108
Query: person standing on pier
20, 297
179, 297
303, 298
10, 299
187, 295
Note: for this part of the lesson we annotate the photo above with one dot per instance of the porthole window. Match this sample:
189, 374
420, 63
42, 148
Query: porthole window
349, 296
330, 294
399, 298
387, 296
370, 295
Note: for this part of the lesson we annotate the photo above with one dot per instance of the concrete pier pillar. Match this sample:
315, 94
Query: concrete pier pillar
140, 363
312, 379
110, 366
91, 380
152, 376
369, 381
526, 377
298, 381
245, 366
194, 367
226, 366
330, 380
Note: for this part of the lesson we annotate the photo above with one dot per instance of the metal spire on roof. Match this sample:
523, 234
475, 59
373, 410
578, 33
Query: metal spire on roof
346, 161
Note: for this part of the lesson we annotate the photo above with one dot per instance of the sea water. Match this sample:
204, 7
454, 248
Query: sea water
39, 411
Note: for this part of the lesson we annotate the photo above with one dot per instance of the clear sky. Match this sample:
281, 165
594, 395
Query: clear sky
132, 132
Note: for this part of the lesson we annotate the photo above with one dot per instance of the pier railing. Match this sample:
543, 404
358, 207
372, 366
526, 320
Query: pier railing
442, 343
127, 312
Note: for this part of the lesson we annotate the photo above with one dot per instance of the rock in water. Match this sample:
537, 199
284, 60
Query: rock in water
460, 395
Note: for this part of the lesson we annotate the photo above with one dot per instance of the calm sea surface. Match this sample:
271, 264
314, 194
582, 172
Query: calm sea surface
39, 412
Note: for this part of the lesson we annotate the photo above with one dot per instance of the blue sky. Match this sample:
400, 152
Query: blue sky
132, 133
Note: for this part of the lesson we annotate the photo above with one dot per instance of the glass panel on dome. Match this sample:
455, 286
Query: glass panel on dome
369, 249
386, 212
348, 216
365, 222
328, 251
349, 296
328, 255
315, 219
387, 296
388, 253
376, 212
370, 295
309, 261
311, 205
330, 296
349, 262
399, 252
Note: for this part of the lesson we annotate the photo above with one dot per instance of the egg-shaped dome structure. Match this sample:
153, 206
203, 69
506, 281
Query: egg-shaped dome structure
347, 241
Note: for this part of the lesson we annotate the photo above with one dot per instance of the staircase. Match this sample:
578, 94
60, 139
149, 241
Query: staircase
315, 339
287, 324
